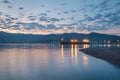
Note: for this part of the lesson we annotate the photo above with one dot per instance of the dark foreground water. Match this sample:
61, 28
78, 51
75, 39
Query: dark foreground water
52, 62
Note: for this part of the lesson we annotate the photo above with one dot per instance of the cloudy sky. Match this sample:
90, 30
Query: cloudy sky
60, 16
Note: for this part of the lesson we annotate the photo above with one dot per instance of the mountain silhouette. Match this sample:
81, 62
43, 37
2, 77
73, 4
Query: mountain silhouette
32, 38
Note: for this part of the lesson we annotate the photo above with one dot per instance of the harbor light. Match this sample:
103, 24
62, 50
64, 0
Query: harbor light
74, 40
86, 40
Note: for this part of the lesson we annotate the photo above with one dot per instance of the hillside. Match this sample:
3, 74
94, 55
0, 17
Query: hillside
30, 38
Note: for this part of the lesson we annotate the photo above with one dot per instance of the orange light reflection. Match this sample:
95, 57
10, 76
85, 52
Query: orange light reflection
85, 60
86, 46
74, 54
62, 53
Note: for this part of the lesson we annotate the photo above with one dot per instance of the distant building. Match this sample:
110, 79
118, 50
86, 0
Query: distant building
86, 40
74, 40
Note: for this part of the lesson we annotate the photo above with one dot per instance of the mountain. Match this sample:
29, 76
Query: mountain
30, 38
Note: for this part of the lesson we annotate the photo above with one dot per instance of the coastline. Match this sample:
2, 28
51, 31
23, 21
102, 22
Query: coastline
111, 55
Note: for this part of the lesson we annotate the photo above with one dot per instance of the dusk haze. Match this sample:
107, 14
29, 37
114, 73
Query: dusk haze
59, 39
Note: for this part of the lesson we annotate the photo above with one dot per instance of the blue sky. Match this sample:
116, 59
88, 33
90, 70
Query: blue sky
60, 16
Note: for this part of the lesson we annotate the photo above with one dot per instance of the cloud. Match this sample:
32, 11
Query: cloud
108, 15
15, 27
51, 26
110, 21
1, 13
73, 11
89, 19
42, 5
82, 9
32, 18
90, 16
54, 19
42, 14
117, 5
98, 16
9, 6
62, 18
68, 25
104, 4
99, 7
48, 11
27, 26
66, 12
6, 2
73, 18
63, 4
20, 8
118, 12
46, 19
70, 28
95, 28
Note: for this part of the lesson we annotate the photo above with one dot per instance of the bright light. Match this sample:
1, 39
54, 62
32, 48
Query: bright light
86, 40
75, 40
72, 41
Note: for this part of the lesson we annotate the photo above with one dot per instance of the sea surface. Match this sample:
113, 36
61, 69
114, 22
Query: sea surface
53, 62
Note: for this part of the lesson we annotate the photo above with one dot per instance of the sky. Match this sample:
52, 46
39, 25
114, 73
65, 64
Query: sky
60, 16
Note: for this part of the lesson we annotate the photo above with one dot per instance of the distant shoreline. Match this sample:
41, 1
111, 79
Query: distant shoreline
111, 55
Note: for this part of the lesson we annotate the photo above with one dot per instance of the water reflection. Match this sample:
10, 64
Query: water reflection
23, 60
85, 60
109, 45
74, 54
104, 45
52, 62
86, 46
74, 48
101, 45
118, 45
62, 53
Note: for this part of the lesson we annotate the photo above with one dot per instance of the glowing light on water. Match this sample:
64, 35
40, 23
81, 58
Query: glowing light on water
86, 46
85, 60
62, 53
74, 40
86, 40
109, 45
74, 54
118, 45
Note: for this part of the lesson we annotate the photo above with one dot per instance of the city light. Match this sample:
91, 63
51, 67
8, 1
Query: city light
74, 40
86, 40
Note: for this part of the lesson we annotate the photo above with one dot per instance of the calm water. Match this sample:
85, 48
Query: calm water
52, 62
